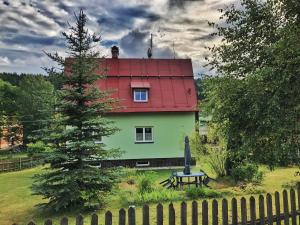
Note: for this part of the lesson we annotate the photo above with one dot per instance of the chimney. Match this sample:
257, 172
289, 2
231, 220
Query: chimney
114, 52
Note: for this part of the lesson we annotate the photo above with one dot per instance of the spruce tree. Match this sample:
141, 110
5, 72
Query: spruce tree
74, 179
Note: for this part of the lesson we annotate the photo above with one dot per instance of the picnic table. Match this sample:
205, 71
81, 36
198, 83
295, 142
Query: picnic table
194, 178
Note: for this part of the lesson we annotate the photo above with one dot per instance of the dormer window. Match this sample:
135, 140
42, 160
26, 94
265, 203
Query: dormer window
140, 90
140, 95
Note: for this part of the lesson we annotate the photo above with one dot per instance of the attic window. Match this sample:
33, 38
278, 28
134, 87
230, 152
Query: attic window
140, 95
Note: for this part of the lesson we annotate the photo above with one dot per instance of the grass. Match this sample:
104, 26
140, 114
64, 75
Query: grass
17, 203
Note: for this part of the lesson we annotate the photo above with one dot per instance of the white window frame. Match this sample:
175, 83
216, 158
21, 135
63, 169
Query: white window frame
140, 90
144, 135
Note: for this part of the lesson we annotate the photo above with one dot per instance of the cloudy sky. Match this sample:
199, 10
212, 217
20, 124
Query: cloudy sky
179, 28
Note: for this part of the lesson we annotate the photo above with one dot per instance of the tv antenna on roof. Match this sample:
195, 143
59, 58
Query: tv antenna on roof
149, 52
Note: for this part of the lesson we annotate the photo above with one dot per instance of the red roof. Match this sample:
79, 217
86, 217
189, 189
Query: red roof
170, 83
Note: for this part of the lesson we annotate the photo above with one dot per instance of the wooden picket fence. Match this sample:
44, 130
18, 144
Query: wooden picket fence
267, 210
15, 164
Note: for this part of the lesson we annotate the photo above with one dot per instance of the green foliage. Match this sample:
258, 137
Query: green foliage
247, 173
255, 99
156, 196
74, 179
197, 145
37, 148
145, 183
36, 104
216, 159
196, 192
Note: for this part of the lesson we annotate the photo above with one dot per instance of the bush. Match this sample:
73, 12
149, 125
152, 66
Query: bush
195, 193
216, 159
145, 183
247, 173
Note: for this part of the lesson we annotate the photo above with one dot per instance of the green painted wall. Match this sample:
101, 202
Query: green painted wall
169, 130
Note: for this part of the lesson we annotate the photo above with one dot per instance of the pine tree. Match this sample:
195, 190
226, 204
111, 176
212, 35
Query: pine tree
73, 179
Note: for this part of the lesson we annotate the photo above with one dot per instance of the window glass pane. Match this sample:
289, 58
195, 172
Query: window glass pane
143, 95
140, 94
136, 95
148, 134
139, 134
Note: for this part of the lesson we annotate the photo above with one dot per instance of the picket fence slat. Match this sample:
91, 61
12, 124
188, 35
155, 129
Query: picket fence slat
261, 205
225, 212
79, 220
64, 221
131, 216
234, 211
48, 222
252, 211
243, 211
215, 212
277, 208
94, 219
269, 209
183, 213
146, 219
108, 218
269, 212
194, 213
204, 213
159, 214
172, 216
293, 206
285, 208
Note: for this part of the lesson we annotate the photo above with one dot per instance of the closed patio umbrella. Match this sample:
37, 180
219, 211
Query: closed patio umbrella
187, 156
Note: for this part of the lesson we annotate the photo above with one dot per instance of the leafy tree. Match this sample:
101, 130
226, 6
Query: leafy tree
74, 179
8, 96
35, 104
255, 99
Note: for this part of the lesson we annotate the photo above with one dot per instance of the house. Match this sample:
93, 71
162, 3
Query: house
159, 108
11, 136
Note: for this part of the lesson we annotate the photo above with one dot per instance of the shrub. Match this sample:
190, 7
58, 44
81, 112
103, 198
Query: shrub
195, 193
145, 183
247, 173
216, 159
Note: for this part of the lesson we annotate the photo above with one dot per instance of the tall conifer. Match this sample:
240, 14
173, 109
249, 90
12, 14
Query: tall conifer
75, 178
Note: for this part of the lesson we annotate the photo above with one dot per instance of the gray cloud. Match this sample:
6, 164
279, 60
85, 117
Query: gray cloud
26, 29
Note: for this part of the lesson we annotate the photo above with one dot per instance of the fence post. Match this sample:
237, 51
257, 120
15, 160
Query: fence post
94, 220
131, 216
204, 213
48, 222
194, 213
64, 221
261, 210
79, 220
269, 209
159, 214
225, 211
285, 207
183, 213
234, 211
108, 218
243, 211
252, 211
277, 208
122, 217
171, 214
215, 212
293, 206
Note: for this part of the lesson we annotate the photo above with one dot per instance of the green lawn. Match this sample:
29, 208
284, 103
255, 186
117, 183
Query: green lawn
17, 203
